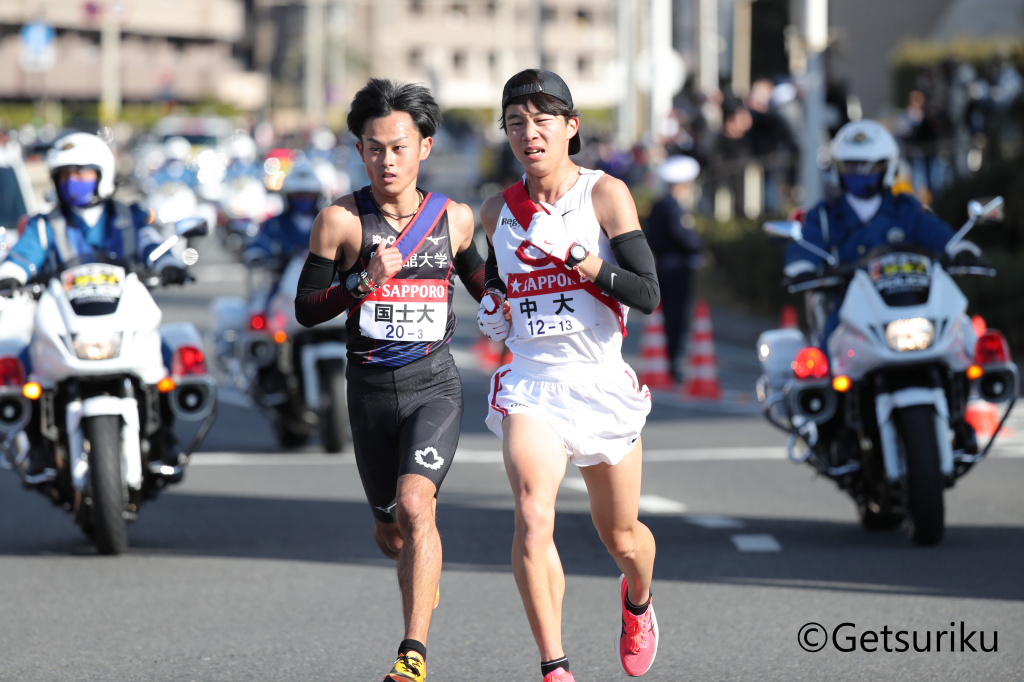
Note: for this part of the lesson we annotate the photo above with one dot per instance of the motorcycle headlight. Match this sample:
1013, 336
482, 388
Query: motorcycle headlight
917, 333
97, 345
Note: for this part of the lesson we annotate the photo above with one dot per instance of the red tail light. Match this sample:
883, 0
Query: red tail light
810, 363
11, 372
258, 322
188, 360
991, 348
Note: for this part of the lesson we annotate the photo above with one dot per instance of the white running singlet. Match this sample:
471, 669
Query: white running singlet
554, 319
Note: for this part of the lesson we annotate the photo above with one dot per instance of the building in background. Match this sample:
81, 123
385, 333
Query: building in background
169, 50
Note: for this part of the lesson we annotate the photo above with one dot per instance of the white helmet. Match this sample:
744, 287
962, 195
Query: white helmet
177, 148
302, 179
869, 143
84, 149
242, 147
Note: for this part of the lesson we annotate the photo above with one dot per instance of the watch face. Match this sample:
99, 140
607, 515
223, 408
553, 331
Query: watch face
578, 252
352, 281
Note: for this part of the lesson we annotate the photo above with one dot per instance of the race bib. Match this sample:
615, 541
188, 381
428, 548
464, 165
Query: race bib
406, 310
550, 302
93, 282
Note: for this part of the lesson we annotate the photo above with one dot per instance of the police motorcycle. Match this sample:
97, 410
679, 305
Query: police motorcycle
883, 415
99, 402
294, 375
243, 200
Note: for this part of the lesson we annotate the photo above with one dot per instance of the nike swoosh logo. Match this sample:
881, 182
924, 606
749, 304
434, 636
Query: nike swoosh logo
612, 285
387, 510
568, 212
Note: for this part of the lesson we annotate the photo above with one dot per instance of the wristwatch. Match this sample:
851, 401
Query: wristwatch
352, 285
577, 254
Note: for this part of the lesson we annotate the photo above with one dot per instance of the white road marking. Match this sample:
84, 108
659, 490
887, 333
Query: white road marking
649, 504
713, 522
756, 543
1010, 451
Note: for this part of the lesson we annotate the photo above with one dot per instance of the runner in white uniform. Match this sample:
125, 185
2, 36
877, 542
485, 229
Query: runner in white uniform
566, 259
566, 342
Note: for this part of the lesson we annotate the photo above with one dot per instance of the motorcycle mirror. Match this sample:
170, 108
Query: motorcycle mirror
790, 229
992, 211
196, 226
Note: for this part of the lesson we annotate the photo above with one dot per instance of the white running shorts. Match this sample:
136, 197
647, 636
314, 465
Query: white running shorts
598, 411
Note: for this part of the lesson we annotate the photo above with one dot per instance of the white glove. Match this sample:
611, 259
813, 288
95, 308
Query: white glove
491, 317
547, 232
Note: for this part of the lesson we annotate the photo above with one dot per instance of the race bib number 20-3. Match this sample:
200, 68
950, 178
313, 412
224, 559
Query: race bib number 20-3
406, 310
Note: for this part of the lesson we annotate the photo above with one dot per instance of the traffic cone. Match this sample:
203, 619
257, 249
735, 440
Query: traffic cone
654, 365
983, 416
788, 318
701, 380
488, 354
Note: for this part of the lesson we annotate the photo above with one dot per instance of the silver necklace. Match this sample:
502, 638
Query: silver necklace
395, 215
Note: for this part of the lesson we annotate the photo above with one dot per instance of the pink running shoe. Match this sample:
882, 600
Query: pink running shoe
559, 675
638, 641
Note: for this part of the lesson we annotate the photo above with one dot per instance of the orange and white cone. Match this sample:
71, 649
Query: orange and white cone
701, 380
654, 366
983, 416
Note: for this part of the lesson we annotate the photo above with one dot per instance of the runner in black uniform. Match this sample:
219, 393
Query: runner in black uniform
396, 248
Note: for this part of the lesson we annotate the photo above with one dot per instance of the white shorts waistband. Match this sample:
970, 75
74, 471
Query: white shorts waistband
575, 372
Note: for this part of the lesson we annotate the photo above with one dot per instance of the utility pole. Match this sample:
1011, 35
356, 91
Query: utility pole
707, 45
314, 85
662, 85
815, 21
742, 24
538, 37
627, 59
110, 64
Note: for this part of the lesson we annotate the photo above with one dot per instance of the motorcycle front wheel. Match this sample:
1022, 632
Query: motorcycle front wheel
107, 490
333, 408
924, 484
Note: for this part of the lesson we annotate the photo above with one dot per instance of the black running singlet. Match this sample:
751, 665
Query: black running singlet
411, 316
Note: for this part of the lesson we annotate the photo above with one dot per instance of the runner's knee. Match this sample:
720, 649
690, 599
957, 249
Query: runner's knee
535, 520
621, 543
415, 508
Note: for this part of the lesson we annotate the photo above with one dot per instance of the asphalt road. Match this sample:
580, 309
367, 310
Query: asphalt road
261, 564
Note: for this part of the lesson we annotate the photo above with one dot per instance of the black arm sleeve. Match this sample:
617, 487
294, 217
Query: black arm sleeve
635, 281
316, 300
492, 278
470, 268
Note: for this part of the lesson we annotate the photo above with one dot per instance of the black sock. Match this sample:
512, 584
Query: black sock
638, 610
547, 667
413, 645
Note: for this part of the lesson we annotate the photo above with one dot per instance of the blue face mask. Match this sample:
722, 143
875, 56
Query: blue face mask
79, 193
305, 205
863, 186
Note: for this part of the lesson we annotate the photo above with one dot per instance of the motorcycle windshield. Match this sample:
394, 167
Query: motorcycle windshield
902, 278
93, 288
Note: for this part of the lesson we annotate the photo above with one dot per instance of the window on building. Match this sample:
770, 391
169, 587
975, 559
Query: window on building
459, 61
492, 60
548, 13
490, 7
459, 8
415, 57
585, 16
416, 6
584, 66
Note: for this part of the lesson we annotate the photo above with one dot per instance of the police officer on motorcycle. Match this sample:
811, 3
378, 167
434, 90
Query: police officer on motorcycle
87, 223
287, 234
866, 215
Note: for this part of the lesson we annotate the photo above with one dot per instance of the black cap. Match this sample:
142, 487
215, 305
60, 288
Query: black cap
548, 83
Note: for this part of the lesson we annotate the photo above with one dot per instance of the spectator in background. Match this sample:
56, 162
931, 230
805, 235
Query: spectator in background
677, 250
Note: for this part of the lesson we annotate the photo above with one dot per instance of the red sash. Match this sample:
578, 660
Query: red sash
523, 209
